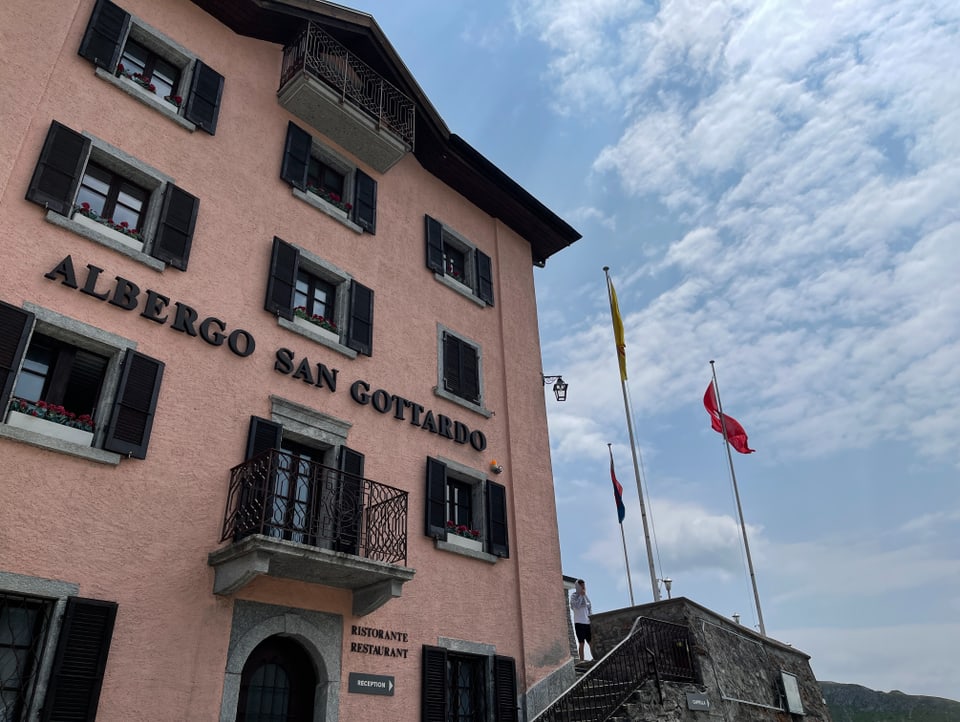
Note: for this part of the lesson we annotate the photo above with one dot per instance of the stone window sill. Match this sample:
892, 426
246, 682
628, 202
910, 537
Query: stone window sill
149, 99
321, 205
456, 548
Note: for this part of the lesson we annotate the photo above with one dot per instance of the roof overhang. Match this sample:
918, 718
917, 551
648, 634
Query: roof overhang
440, 152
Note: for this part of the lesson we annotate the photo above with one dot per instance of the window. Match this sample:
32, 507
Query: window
323, 177
460, 503
110, 195
458, 263
318, 300
277, 684
462, 687
152, 67
111, 198
53, 649
62, 374
328, 181
312, 488
465, 687
59, 376
457, 493
460, 371
315, 296
23, 621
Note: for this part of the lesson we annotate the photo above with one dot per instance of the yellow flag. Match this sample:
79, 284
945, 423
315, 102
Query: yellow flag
618, 332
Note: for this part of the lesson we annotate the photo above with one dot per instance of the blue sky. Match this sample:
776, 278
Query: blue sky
776, 186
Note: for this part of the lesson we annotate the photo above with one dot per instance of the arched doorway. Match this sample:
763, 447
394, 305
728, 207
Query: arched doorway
278, 683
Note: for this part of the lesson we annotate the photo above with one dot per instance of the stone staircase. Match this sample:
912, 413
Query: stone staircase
606, 689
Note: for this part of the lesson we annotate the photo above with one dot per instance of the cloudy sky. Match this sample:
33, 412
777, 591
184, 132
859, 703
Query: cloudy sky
775, 186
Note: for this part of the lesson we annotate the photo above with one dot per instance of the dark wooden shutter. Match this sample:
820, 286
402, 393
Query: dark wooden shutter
498, 543
461, 368
435, 524
76, 676
57, 174
360, 328
262, 436
434, 244
349, 501
451, 363
504, 689
469, 373
433, 699
178, 218
258, 480
296, 156
484, 278
101, 43
284, 264
15, 326
203, 101
365, 202
135, 405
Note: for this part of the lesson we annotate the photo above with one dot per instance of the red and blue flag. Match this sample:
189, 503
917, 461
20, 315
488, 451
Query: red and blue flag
617, 491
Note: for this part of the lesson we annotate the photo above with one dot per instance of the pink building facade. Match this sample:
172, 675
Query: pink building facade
273, 434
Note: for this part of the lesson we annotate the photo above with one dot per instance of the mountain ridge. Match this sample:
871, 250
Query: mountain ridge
856, 703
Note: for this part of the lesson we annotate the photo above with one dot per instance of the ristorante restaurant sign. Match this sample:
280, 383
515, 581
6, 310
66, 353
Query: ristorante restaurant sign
156, 307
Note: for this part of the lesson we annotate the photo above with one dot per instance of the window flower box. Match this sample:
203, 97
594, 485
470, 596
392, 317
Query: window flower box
463, 536
50, 428
316, 324
103, 229
332, 201
316, 330
465, 542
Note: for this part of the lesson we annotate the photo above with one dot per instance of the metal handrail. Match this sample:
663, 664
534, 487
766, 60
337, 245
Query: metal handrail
319, 54
653, 649
280, 495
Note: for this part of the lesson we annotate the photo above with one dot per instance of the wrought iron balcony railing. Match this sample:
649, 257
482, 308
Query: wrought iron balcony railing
282, 496
652, 650
317, 53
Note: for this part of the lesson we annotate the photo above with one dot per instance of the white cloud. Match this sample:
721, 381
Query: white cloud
584, 214
911, 657
807, 155
814, 150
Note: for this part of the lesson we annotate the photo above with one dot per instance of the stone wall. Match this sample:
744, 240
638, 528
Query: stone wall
739, 673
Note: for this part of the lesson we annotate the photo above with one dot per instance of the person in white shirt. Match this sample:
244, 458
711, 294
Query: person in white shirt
580, 604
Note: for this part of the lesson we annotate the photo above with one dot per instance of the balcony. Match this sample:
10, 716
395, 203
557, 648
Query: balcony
342, 97
295, 519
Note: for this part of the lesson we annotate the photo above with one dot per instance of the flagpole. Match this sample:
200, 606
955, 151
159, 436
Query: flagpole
627, 562
623, 538
736, 492
633, 444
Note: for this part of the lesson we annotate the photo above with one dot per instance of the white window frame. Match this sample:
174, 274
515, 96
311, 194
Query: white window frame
477, 481
169, 50
313, 429
343, 166
136, 171
89, 338
468, 287
316, 266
